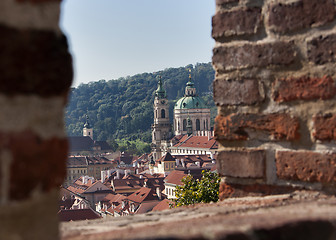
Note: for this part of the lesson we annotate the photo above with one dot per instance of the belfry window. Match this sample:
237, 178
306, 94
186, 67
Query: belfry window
184, 125
163, 113
198, 125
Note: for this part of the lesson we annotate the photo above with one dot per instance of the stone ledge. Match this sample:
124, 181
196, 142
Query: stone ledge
237, 218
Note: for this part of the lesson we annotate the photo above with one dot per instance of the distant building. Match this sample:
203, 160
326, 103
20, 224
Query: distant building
85, 145
161, 128
83, 165
191, 128
163, 165
194, 145
89, 189
193, 109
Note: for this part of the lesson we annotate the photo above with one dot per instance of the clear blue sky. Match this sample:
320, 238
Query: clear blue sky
118, 38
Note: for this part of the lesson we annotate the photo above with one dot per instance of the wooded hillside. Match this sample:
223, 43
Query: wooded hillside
123, 108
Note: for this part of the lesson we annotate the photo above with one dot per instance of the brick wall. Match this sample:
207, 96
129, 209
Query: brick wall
275, 92
36, 73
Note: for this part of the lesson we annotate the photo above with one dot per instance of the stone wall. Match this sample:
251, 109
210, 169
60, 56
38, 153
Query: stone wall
36, 73
275, 91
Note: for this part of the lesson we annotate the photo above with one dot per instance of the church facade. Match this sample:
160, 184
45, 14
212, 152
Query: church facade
191, 117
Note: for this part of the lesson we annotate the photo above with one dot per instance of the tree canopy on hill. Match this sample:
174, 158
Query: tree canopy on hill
123, 108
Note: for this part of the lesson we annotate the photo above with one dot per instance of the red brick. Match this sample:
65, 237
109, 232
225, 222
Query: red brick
322, 49
238, 22
36, 163
248, 55
241, 163
298, 15
236, 92
324, 127
303, 88
278, 126
34, 62
228, 190
306, 166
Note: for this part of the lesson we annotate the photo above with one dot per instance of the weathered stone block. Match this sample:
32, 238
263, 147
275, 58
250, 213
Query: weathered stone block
322, 49
235, 23
301, 14
220, 2
324, 127
242, 163
34, 62
235, 92
303, 88
278, 126
230, 57
35, 164
306, 166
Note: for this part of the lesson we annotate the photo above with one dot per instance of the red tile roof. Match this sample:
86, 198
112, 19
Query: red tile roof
163, 205
146, 207
166, 158
175, 177
66, 215
142, 195
197, 142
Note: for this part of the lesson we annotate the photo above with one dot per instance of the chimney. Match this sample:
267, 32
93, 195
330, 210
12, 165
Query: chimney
198, 163
158, 193
183, 165
177, 162
118, 174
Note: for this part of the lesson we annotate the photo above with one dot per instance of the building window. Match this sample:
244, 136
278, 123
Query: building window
163, 113
184, 125
198, 125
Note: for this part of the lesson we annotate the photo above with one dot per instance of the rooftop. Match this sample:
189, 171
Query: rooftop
298, 215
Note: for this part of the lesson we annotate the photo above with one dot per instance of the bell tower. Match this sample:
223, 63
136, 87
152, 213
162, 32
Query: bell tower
161, 129
88, 130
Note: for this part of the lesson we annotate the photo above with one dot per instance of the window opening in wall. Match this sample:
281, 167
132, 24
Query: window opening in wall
198, 125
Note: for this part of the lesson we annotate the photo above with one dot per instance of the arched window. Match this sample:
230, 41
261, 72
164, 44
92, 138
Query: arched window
198, 125
163, 113
184, 124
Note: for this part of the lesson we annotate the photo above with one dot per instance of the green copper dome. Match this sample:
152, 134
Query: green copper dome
190, 102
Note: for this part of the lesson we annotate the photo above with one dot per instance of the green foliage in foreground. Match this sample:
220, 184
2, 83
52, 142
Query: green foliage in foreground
196, 191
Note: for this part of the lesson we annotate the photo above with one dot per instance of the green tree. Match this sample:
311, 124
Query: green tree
196, 191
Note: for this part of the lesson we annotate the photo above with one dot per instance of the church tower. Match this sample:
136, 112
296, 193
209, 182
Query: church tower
161, 129
87, 130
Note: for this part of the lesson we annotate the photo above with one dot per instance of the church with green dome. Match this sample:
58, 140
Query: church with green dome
191, 116
191, 107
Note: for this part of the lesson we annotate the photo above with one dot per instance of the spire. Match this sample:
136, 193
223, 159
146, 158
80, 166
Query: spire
160, 92
190, 90
87, 123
